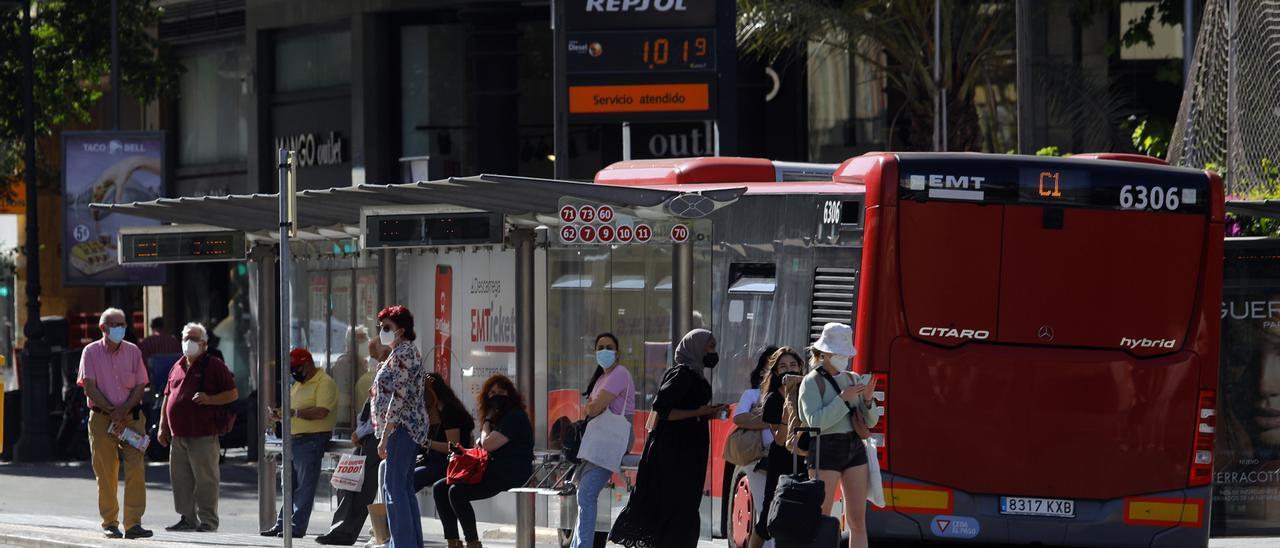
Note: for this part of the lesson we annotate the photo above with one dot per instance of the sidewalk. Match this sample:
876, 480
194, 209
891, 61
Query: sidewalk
44, 531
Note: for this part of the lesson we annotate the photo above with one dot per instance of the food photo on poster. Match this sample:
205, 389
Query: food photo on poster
108, 168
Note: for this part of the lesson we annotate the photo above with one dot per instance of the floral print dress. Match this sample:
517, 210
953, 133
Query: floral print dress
397, 393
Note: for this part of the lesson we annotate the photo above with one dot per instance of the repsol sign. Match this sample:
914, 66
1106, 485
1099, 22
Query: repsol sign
312, 150
630, 14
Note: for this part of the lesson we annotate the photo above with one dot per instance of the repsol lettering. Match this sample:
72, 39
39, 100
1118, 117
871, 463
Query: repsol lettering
635, 6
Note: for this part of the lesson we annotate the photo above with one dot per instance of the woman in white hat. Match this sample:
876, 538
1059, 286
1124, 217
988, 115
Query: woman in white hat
828, 400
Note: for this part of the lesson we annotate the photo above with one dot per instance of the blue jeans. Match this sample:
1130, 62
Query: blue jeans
403, 516
306, 452
593, 480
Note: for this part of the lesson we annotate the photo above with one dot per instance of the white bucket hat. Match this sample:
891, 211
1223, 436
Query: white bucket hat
837, 338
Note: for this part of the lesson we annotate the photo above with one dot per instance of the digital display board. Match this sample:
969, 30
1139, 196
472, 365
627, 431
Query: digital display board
1064, 184
428, 230
182, 247
665, 50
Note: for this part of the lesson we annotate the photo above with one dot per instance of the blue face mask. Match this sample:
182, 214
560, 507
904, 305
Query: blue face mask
606, 358
116, 334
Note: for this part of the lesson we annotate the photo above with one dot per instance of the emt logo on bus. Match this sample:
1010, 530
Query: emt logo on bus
955, 187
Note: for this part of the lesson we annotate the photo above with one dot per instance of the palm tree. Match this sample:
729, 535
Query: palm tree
897, 38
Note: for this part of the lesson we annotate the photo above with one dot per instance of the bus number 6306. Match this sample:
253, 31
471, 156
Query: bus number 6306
1144, 197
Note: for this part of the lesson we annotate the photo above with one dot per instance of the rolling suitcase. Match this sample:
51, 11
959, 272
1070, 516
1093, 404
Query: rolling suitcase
795, 513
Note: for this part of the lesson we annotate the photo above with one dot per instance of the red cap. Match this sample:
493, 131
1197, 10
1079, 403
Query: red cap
299, 356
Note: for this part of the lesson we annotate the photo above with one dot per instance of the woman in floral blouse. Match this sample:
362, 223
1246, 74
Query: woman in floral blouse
400, 422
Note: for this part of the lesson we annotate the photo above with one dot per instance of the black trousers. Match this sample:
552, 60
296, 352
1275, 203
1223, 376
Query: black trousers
353, 507
453, 503
781, 462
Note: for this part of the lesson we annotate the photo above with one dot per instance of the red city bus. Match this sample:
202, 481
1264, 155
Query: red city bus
1043, 330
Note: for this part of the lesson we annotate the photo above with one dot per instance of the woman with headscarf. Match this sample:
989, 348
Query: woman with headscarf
663, 509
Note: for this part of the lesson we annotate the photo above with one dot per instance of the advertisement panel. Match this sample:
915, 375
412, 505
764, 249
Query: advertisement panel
112, 168
486, 344
1246, 495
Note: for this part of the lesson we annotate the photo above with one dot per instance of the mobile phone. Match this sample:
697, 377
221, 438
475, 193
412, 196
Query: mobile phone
723, 414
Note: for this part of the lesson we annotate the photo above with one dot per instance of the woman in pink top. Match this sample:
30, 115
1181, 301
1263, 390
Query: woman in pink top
612, 389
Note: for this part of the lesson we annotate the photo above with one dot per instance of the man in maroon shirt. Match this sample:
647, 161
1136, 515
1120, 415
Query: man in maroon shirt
198, 384
158, 342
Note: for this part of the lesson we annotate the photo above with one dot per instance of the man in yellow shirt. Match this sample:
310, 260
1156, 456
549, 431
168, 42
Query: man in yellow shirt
312, 405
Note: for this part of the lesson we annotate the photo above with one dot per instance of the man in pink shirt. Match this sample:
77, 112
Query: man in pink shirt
114, 378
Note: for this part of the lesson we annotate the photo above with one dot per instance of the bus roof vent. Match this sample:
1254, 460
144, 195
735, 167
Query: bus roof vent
835, 290
683, 171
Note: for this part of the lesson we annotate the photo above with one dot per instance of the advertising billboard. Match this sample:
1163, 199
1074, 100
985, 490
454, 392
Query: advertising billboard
109, 167
1246, 494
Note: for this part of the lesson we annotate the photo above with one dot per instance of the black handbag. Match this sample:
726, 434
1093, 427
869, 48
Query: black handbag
795, 512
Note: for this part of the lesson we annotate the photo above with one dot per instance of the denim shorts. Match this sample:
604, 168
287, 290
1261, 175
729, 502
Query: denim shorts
838, 452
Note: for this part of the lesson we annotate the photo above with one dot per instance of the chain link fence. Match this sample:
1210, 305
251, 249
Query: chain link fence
1230, 114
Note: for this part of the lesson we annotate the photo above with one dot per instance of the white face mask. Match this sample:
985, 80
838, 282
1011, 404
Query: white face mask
386, 337
191, 349
839, 361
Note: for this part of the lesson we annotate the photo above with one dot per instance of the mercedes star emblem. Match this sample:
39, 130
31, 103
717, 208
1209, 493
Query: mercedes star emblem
1046, 333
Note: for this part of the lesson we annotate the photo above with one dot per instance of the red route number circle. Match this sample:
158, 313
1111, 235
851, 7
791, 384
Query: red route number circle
587, 234
625, 233
643, 233
606, 233
679, 233
568, 214
568, 233
605, 214
587, 214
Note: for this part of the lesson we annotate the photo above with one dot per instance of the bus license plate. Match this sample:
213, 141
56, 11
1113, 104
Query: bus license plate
1023, 506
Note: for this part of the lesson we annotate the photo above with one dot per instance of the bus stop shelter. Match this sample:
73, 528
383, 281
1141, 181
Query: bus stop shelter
530, 211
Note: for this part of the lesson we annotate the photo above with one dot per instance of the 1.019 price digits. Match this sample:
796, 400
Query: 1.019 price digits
657, 52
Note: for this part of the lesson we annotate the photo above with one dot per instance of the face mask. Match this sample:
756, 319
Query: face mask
191, 349
606, 358
710, 360
116, 334
500, 402
386, 337
840, 361
299, 375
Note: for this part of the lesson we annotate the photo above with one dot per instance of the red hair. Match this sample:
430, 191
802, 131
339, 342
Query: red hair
482, 403
403, 319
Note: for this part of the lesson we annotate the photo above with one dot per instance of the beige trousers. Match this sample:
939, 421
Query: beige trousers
107, 452
194, 473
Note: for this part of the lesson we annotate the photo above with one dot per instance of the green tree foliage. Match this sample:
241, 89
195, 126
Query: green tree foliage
72, 69
977, 52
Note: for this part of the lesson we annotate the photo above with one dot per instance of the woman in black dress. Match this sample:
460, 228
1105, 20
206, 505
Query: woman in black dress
663, 509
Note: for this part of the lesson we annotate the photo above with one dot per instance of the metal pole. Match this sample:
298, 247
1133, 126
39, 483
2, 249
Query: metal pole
286, 158
1022, 53
1188, 38
560, 141
34, 445
525, 375
388, 277
681, 291
115, 65
937, 75
265, 257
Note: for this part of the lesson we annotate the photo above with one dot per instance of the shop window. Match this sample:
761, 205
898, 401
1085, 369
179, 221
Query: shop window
212, 128
313, 61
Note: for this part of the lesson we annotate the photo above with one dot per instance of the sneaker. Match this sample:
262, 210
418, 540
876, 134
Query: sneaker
112, 532
206, 528
138, 532
182, 526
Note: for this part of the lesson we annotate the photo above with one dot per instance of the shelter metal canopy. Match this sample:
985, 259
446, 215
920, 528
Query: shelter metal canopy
336, 214
1255, 208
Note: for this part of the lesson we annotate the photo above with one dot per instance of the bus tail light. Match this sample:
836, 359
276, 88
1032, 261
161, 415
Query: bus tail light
1202, 451
880, 432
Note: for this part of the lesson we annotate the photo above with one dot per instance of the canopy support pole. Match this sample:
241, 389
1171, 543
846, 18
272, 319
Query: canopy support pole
525, 374
264, 257
681, 292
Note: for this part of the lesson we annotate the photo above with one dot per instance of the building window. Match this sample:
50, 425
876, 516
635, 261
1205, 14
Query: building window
313, 61
211, 113
435, 97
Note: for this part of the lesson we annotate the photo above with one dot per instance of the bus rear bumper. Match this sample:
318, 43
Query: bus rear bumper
919, 511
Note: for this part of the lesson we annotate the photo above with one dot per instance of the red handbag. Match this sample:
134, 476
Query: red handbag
466, 465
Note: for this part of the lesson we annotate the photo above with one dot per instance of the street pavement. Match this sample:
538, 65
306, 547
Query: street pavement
54, 505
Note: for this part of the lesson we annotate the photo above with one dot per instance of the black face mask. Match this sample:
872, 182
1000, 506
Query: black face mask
299, 375
499, 403
710, 360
